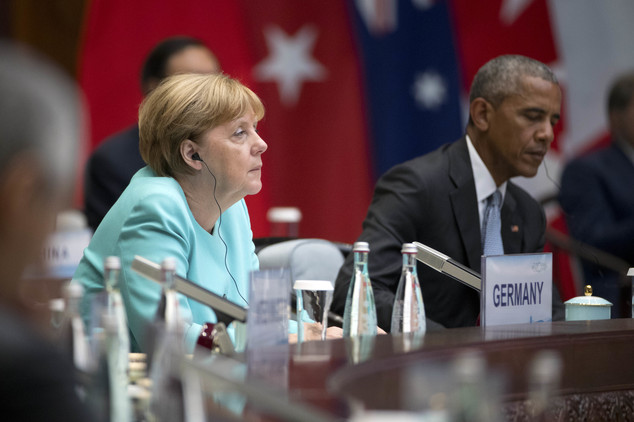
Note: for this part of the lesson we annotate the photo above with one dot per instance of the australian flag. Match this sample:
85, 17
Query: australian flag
411, 77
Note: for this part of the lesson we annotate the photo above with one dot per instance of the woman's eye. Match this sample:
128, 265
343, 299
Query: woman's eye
239, 132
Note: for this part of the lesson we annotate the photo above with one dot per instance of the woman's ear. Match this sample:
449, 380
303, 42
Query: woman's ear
480, 113
189, 153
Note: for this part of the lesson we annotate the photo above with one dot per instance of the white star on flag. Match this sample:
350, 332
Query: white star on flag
289, 62
512, 9
430, 90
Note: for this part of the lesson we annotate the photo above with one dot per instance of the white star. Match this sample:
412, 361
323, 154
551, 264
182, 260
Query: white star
430, 90
512, 9
289, 62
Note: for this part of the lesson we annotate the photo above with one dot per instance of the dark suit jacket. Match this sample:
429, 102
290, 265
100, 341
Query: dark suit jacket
597, 198
432, 199
37, 380
108, 173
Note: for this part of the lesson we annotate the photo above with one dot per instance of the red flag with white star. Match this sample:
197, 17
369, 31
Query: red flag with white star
120, 33
300, 61
307, 71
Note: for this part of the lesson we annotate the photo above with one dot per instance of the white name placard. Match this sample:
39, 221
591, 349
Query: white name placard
60, 254
516, 289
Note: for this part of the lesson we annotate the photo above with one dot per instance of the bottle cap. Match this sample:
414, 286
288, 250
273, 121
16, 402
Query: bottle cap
56, 305
169, 264
73, 290
112, 263
545, 367
109, 322
284, 215
361, 247
409, 248
315, 285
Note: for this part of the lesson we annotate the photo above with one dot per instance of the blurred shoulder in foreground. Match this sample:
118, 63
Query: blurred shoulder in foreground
39, 139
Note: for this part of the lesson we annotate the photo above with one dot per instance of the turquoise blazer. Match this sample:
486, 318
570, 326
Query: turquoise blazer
152, 219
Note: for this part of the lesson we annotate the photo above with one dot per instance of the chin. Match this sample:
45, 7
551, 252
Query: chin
528, 171
255, 190
531, 173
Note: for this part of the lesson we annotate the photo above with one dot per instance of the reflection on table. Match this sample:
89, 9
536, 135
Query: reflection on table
341, 379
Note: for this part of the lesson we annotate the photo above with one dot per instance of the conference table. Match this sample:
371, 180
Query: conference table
591, 373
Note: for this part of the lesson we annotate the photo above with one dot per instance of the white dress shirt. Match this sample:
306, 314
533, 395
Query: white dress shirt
484, 183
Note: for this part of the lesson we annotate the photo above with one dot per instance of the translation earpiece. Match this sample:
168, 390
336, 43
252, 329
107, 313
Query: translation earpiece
196, 157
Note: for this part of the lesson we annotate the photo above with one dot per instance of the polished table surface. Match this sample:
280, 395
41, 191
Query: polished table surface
337, 377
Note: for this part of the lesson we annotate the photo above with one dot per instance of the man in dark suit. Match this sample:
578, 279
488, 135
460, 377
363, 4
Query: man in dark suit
39, 134
597, 197
439, 198
116, 159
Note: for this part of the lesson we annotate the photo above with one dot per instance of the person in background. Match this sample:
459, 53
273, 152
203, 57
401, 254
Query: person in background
39, 137
597, 199
439, 199
113, 163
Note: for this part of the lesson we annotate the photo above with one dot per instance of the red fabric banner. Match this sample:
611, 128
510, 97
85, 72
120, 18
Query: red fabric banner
317, 158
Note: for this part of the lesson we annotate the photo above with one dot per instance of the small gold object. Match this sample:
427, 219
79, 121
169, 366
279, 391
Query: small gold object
588, 290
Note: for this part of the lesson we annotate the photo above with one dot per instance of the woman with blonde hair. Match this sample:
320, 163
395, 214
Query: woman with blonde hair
199, 140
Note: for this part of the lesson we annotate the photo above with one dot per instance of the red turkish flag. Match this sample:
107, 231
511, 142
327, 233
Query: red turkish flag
308, 73
299, 60
118, 36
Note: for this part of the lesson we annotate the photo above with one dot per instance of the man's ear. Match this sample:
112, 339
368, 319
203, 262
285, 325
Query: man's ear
187, 149
480, 111
615, 119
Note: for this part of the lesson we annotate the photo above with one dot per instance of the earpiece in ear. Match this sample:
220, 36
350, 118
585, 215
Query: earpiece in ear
196, 157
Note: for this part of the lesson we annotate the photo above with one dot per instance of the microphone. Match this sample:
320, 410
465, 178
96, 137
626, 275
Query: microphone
226, 311
444, 264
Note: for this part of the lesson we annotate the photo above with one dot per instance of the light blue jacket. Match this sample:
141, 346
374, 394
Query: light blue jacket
152, 219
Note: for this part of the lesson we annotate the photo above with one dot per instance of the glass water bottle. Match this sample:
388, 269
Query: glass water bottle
408, 312
169, 310
73, 332
167, 350
359, 317
115, 308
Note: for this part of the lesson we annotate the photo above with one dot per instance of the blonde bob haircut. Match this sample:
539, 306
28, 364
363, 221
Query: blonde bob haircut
185, 107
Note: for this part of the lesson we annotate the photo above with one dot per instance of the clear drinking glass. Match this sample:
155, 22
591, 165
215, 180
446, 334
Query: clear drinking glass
313, 303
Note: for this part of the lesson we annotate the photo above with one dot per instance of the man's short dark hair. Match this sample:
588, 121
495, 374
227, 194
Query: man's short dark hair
155, 66
621, 92
500, 77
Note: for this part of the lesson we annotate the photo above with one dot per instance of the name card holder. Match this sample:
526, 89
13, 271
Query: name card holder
269, 308
516, 289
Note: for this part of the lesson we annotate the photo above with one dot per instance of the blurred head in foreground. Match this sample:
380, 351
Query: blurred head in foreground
39, 134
